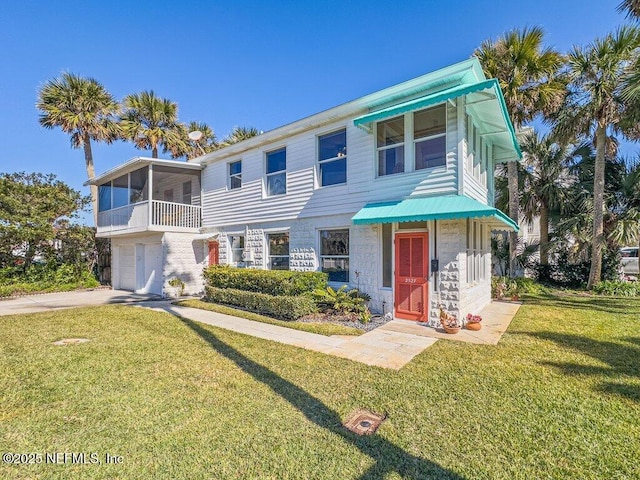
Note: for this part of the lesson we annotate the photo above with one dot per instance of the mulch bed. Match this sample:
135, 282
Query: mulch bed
347, 320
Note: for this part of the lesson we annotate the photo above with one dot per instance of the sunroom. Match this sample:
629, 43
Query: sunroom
146, 194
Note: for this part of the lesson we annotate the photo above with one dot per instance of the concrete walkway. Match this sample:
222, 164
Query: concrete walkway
496, 318
378, 348
392, 345
60, 300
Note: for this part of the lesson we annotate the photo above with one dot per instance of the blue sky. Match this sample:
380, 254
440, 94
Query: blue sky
250, 63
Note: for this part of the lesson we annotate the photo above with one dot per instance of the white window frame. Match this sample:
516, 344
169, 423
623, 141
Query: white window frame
332, 159
231, 256
272, 174
430, 137
270, 257
187, 196
477, 249
234, 175
321, 256
402, 144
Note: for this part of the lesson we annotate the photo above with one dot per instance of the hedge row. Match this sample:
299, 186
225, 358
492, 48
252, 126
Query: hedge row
286, 307
617, 288
271, 282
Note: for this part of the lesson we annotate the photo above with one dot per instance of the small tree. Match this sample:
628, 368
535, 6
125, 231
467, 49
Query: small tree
33, 206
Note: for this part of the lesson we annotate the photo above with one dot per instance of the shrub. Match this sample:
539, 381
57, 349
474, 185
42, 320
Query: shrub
283, 306
571, 274
271, 282
341, 300
178, 284
617, 288
506, 287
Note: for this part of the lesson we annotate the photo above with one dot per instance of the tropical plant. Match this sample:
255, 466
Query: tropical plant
595, 109
151, 122
207, 143
341, 300
631, 7
238, 134
84, 109
545, 180
528, 76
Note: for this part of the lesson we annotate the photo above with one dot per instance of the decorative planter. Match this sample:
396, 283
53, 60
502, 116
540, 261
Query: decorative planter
474, 326
451, 330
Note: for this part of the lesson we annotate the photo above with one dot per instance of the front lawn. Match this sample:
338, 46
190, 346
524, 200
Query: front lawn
559, 397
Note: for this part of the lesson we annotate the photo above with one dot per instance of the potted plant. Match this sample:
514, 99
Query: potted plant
473, 322
449, 322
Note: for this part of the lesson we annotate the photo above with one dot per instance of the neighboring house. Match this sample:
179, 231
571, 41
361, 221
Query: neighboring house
391, 193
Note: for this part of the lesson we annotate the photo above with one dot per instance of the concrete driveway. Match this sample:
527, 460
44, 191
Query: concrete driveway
57, 301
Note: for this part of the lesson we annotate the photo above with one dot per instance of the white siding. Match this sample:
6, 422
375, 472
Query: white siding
249, 204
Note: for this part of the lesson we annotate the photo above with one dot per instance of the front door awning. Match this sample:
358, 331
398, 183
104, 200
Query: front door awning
445, 207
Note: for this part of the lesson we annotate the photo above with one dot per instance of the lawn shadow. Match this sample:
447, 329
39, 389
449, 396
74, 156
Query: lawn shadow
387, 456
621, 361
586, 303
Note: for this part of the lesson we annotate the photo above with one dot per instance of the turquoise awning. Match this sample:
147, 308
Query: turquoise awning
491, 111
445, 207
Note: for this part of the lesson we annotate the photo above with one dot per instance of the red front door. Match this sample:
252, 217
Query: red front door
412, 276
214, 248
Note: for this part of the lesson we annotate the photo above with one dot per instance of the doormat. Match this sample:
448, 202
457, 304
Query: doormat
364, 422
70, 341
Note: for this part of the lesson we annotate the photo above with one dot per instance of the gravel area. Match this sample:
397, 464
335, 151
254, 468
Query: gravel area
346, 320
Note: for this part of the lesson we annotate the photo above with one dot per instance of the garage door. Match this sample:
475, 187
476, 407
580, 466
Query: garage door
152, 281
126, 267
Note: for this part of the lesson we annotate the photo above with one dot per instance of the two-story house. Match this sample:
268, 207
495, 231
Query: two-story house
391, 193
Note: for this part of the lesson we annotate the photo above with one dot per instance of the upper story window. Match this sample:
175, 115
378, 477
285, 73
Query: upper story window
332, 158
125, 190
235, 175
390, 146
277, 172
430, 137
186, 192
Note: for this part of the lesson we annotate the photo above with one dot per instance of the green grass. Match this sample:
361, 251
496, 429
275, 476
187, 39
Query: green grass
558, 398
28, 288
327, 329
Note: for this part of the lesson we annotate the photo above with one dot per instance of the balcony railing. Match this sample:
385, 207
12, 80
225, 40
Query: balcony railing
136, 216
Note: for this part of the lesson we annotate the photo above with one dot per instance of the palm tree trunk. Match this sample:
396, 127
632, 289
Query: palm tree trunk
91, 172
544, 235
512, 176
598, 207
154, 152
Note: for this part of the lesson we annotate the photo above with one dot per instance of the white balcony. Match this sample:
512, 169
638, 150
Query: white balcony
160, 216
149, 195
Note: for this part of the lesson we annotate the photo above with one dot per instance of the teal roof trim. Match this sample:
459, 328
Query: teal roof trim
440, 97
445, 207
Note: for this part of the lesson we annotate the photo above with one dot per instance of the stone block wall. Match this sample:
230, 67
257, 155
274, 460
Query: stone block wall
451, 242
184, 258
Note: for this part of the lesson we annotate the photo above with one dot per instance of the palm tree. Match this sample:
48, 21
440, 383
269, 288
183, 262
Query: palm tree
207, 143
528, 77
632, 7
150, 122
545, 180
83, 108
595, 109
238, 134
